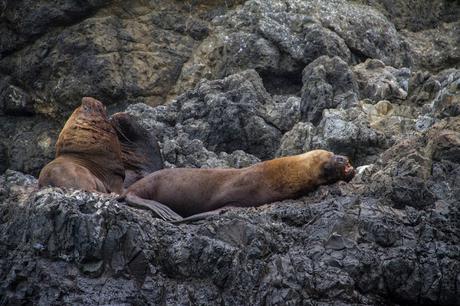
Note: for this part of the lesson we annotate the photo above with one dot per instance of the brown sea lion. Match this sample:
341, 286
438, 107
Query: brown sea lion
177, 193
140, 150
88, 153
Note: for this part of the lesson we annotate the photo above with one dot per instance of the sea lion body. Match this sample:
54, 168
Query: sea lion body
193, 191
66, 172
88, 153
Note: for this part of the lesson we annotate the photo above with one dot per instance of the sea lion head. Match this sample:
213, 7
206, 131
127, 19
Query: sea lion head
89, 136
338, 168
126, 127
88, 130
92, 106
140, 150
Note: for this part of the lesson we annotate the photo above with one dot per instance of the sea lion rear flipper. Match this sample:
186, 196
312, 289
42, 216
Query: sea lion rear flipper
202, 216
162, 211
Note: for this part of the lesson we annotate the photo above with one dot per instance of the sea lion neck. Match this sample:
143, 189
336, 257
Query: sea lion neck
91, 141
99, 166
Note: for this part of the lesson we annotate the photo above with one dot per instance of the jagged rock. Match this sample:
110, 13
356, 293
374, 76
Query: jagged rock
3, 158
16, 102
284, 113
435, 92
447, 102
328, 83
447, 145
349, 134
407, 175
297, 140
423, 123
434, 49
418, 15
379, 82
320, 40
183, 152
24, 21
226, 115
29, 144
133, 51
423, 88
282, 37
395, 120
345, 132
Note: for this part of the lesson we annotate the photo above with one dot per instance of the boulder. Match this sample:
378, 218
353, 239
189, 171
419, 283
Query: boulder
327, 83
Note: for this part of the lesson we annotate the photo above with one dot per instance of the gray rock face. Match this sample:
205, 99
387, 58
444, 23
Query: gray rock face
378, 82
30, 146
328, 83
226, 115
279, 37
245, 81
16, 101
418, 15
447, 102
442, 42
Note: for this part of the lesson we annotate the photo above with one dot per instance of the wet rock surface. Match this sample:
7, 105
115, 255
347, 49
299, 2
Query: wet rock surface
245, 81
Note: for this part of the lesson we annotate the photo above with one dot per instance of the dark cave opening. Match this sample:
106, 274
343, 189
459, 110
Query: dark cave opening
282, 83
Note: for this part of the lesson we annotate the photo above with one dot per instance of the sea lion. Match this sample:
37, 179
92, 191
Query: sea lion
195, 193
88, 153
139, 148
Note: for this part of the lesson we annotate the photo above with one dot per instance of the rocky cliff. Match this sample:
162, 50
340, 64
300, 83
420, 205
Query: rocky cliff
238, 82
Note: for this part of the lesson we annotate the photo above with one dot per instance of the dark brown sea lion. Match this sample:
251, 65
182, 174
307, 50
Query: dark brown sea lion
140, 150
88, 153
177, 193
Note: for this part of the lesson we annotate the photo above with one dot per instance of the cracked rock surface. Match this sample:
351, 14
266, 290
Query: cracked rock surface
229, 84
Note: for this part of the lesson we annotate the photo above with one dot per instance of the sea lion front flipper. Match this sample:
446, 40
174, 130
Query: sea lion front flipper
203, 216
162, 211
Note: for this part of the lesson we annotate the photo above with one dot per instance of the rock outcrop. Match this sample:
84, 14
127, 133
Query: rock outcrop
390, 236
228, 84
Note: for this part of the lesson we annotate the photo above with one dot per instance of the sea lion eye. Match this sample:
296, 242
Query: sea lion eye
340, 160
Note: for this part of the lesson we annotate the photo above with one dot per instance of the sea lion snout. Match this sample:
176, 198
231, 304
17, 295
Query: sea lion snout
92, 105
339, 168
348, 171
